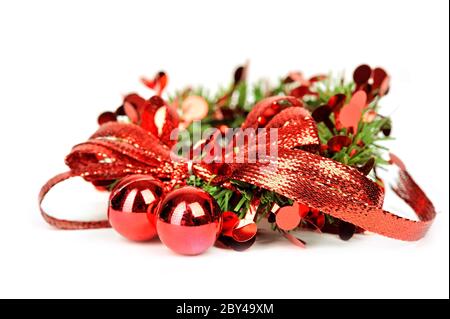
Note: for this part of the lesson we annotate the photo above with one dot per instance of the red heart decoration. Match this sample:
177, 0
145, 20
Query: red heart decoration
158, 83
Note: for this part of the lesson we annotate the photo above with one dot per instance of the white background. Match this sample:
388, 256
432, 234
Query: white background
62, 63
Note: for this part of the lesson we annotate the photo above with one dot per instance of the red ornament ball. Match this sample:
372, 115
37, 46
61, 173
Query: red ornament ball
189, 220
132, 207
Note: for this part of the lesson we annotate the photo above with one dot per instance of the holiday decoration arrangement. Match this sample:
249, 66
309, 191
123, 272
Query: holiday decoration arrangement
198, 169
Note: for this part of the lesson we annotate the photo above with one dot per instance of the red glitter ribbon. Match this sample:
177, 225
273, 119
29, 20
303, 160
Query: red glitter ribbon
342, 191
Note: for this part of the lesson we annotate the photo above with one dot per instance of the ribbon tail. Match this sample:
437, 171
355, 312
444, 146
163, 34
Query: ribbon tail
62, 223
408, 190
342, 192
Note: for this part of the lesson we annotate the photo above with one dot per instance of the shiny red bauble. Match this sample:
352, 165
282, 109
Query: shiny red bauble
132, 207
189, 220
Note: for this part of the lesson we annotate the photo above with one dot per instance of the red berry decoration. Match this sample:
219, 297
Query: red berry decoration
132, 207
189, 221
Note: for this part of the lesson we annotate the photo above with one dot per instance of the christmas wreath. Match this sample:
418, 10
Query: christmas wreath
197, 168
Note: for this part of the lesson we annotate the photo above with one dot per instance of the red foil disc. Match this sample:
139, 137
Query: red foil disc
336, 143
230, 221
245, 232
288, 217
301, 91
194, 108
362, 74
336, 102
106, 117
132, 104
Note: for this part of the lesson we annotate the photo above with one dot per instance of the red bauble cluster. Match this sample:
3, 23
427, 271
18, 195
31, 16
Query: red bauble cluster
187, 220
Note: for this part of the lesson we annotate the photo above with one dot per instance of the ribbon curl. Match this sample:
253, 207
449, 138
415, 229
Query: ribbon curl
297, 172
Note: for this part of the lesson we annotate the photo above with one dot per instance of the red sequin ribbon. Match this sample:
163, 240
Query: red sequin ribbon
342, 191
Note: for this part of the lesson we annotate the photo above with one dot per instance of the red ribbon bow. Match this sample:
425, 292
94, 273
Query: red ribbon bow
119, 149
